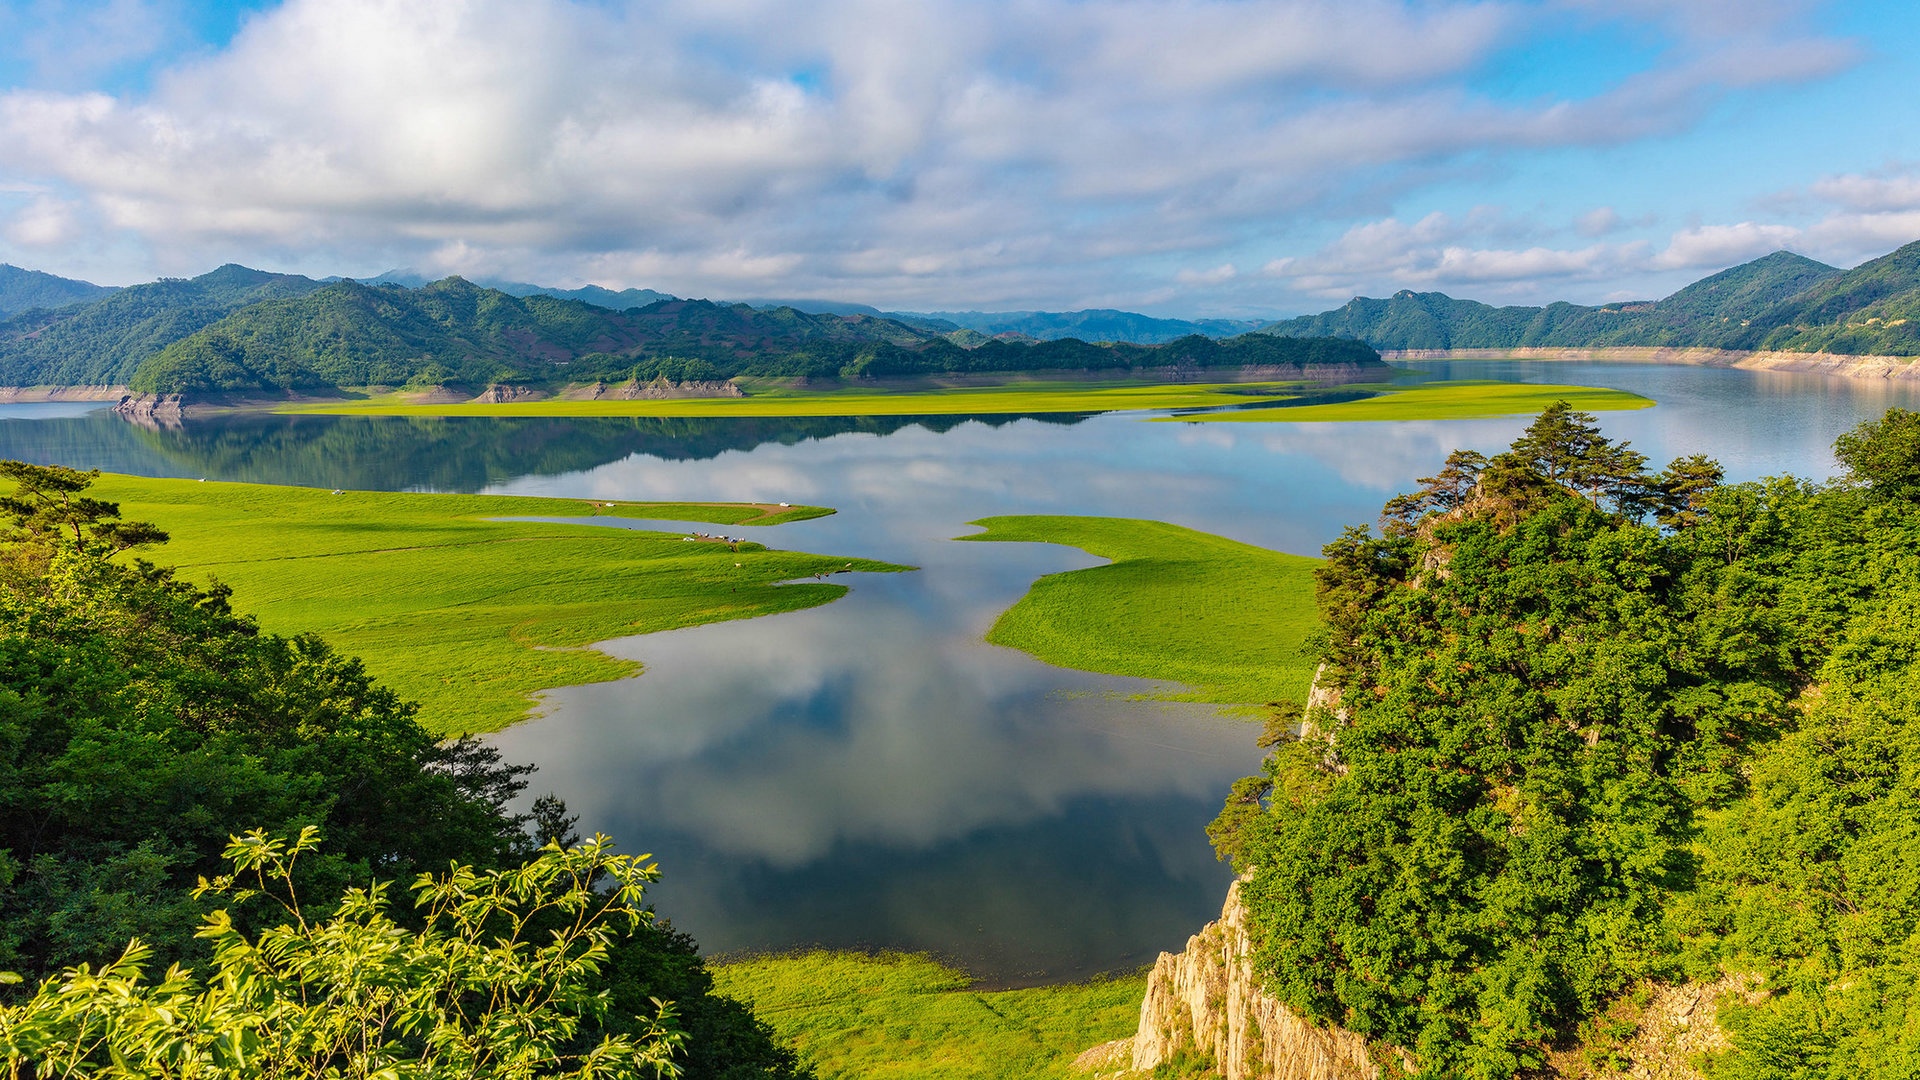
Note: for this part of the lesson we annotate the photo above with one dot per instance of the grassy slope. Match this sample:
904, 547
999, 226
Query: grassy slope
468, 616
908, 1017
1444, 401
1414, 403
1225, 618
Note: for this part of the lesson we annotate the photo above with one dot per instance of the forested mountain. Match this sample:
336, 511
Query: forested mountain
1782, 301
103, 342
1093, 324
237, 330
590, 294
24, 290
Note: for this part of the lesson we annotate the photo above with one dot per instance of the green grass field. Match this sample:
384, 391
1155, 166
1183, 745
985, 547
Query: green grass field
1438, 402
1441, 401
1227, 619
464, 615
909, 1018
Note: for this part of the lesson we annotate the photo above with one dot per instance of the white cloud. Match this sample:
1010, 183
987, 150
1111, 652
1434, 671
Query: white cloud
1599, 221
1218, 275
1717, 247
941, 151
42, 223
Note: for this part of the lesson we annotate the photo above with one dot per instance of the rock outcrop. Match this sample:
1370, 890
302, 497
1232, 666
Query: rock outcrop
1205, 1006
1205, 1014
152, 410
499, 393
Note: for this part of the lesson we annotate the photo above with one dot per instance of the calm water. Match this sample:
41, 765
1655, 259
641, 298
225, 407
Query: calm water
869, 773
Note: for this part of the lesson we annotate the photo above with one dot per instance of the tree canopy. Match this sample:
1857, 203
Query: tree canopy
1560, 750
144, 723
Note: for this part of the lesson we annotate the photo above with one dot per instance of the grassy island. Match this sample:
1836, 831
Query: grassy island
1224, 618
851, 1015
1466, 400
1441, 401
466, 615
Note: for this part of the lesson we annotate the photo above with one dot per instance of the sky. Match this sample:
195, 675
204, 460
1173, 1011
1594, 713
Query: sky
1238, 158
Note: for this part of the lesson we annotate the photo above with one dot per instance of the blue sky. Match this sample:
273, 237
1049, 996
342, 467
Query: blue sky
1189, 157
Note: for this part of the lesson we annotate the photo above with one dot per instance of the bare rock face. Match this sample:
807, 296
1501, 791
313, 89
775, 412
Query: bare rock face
1207, 1003
497, 394
152, 410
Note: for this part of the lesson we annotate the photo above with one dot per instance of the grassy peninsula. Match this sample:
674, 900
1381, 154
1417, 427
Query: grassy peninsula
884, 1017
1444, 401
466, 615
1224, 618
1465, 400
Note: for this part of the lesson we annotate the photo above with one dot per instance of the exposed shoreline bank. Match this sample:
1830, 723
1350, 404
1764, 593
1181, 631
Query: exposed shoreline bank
1844, 366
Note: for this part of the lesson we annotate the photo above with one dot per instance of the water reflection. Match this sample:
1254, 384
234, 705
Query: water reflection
846, 759
869, 773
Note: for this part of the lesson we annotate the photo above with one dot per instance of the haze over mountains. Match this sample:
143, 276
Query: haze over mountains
242, 330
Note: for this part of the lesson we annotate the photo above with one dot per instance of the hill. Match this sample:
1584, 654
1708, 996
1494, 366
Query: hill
25, 290
1094, 324
1782, 301
459, 333
101, 343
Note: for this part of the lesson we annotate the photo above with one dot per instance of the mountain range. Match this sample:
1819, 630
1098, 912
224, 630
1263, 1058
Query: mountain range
1782, 301
241, 330
249, 332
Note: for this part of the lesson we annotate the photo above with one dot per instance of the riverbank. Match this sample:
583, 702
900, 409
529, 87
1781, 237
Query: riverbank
1212, 401
1837, 364
1224, 619
856, 1016
472, 617
23, 394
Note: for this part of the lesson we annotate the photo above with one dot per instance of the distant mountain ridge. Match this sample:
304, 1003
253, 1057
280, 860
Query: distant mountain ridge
24, 290
1092, 324
249, 332
1783, 301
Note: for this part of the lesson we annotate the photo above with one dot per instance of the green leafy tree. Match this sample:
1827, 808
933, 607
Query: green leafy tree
1884, 455
493, 980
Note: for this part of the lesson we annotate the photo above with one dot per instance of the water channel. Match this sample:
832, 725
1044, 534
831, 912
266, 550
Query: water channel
870, 774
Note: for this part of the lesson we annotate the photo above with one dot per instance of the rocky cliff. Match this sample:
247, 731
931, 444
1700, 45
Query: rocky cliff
1205, 1010
1205, 1015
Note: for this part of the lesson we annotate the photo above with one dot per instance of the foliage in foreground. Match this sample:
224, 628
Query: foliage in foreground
494, 984
143, 723
1564, 750
852, 1015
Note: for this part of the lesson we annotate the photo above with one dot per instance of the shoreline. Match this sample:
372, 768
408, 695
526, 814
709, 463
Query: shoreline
1842, 365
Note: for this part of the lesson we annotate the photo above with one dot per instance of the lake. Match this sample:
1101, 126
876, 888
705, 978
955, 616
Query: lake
870, 774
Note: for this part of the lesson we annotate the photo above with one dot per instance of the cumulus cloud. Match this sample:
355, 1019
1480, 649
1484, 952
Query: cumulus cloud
1721, 246
1442, 252
989, 151
42, 223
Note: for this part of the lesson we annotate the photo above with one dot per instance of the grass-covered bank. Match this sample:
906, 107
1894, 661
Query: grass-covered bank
1225, 618
886, 1017
466, 615
1432, 402
1467, 400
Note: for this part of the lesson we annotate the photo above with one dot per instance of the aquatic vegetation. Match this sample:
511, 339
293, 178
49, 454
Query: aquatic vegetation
1227, 619
466, 615
852, 1015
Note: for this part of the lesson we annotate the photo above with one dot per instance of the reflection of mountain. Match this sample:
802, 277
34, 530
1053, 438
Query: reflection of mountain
392, 453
